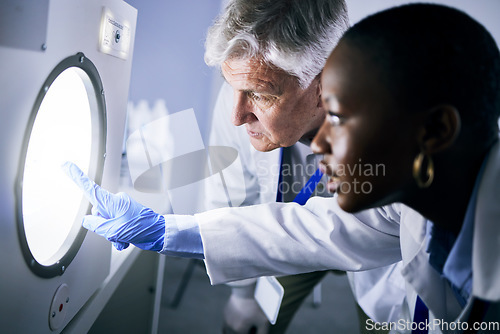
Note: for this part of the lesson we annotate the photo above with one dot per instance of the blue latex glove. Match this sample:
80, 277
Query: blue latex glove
117, 217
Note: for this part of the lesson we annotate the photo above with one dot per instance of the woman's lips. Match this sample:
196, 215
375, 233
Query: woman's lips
333, 180
333, 184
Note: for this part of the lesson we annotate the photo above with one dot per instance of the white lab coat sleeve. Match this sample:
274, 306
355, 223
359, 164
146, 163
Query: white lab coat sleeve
286, 238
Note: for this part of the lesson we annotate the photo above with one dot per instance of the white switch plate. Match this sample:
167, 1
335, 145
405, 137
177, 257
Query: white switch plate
115, 34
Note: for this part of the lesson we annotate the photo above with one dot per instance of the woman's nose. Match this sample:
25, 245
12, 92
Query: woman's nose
321, 142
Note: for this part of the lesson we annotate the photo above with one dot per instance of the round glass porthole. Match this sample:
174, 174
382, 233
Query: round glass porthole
67, 124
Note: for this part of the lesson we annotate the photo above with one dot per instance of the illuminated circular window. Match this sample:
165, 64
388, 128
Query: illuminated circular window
67, 124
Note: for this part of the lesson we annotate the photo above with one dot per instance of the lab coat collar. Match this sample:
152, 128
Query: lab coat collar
270, 174
430, 285
486, 240
267, 171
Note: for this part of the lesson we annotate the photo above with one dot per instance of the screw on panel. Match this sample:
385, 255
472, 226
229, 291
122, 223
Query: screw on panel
53, 314
102, 91
44, 47
67, 300
46, 88
104, 156
63, 268
81, 59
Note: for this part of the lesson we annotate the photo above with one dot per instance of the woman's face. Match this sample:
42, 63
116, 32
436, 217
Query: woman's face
368, 142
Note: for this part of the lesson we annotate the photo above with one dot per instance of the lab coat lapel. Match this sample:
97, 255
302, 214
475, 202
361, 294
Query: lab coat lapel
486, 240
268, 168
430, 286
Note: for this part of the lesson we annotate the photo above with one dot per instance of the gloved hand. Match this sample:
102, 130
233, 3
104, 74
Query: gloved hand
117, 217
242, 314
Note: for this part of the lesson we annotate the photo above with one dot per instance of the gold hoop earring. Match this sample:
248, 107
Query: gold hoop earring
417, 172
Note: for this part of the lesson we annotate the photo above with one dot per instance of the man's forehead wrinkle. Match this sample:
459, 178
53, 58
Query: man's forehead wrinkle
254, 81
259, 78
277, 80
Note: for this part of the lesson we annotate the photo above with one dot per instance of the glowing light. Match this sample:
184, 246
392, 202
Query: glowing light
62, 131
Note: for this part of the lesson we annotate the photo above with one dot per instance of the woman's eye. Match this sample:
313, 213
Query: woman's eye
334, 119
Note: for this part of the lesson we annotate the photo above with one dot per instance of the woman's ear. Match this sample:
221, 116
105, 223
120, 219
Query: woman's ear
441, 128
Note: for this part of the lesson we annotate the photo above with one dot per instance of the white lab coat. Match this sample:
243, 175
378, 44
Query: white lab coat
253, 179
283, 239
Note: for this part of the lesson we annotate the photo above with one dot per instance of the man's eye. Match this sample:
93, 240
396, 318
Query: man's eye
334, 119
259, 97
256, 97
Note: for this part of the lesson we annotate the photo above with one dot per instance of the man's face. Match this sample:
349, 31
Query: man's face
275, 110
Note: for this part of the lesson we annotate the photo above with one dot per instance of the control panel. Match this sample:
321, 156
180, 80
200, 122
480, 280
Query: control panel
115, 35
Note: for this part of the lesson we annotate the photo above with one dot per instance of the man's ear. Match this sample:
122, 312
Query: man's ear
319, 90
441, 127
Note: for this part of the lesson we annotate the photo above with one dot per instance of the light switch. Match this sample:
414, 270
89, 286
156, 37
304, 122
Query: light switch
115, 35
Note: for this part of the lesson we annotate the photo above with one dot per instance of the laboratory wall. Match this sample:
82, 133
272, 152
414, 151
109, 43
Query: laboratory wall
168, 68
485, 11
172, 93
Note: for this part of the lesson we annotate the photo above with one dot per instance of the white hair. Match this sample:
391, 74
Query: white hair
296, 36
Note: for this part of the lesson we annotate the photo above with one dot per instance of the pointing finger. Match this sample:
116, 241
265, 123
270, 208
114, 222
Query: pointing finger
91, 190
93, 223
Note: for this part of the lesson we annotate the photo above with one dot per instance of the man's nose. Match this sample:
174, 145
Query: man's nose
242, 110
321, 143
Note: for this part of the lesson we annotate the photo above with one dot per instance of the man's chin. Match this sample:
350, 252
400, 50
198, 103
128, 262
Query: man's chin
263, 145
